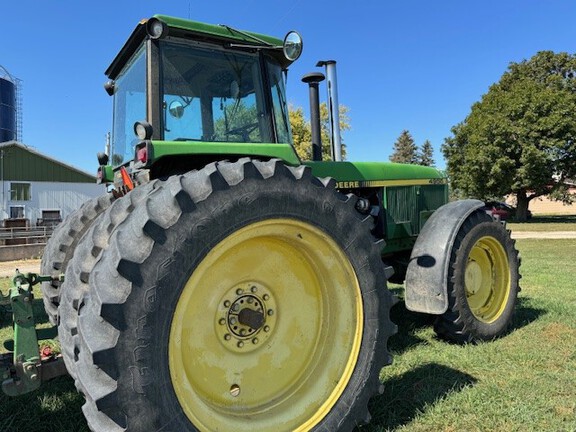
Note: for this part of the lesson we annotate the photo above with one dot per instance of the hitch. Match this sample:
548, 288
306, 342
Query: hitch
25, 367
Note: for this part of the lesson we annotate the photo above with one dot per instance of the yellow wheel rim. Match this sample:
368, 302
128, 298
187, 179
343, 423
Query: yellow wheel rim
487, 279
267, 330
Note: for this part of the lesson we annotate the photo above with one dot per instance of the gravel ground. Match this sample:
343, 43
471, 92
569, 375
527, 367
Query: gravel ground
544, 235
8, 268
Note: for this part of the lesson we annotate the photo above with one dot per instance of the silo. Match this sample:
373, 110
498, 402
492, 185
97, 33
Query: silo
8, 106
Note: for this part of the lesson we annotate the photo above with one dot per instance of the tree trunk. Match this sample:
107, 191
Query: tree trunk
522, 202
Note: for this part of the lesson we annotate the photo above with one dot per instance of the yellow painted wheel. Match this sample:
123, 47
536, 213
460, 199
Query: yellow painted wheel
267, 331
487, 279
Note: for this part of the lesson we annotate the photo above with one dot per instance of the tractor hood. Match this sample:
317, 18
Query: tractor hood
351, 175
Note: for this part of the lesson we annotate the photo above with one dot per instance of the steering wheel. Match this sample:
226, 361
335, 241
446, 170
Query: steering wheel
243, 130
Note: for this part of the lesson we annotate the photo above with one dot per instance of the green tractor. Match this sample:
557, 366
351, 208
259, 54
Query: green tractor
224, 284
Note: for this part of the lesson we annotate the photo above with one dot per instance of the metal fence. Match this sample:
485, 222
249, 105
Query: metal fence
25, 235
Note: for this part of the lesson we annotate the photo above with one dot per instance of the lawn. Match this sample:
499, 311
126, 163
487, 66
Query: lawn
525, 381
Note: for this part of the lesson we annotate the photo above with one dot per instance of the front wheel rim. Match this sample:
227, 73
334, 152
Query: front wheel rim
286, 361
487, 279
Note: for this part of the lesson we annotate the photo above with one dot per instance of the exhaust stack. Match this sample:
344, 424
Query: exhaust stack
312, 79
333, 108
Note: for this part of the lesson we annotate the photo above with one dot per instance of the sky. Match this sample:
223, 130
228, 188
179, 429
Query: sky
411, 65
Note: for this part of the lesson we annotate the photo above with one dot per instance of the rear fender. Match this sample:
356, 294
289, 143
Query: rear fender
427, 275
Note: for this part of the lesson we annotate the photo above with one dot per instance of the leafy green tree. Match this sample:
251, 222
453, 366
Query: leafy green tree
405, 150
426, 155
520, 138
302, 134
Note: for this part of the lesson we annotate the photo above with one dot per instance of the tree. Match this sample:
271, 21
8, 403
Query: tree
302, 134
520, 138
404, 149
426, 155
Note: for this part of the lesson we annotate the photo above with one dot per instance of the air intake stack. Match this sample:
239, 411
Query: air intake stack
333, 108
312, 79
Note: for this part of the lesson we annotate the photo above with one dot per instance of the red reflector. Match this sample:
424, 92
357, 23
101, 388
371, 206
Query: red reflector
142, 154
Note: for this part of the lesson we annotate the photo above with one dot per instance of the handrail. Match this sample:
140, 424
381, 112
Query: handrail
22, 232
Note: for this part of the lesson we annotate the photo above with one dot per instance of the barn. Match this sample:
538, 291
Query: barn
38, 190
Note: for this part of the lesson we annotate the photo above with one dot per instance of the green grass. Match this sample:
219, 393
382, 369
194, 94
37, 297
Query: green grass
56, 406
525, 381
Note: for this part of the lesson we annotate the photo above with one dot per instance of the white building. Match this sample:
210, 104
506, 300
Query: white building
39, 189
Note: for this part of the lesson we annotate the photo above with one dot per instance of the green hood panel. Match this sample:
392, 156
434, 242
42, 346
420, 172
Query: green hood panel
351, 175
177, 148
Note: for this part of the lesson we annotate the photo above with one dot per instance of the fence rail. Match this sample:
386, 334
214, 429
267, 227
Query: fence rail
26, 233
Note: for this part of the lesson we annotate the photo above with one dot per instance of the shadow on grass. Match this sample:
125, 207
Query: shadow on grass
56, 406
408, 324
525, 313
413, 392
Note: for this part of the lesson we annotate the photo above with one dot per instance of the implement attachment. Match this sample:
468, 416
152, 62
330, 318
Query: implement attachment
24, 369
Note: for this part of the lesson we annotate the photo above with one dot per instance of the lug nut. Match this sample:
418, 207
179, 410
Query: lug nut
239, 291
227, 303
227, 337
221, 321
254, 289
240, 344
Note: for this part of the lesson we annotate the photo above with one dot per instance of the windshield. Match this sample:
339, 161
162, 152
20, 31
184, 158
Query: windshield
214, 95
129, 107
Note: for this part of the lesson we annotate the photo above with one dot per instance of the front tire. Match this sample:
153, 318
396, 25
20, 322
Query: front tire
246, 296
483, 282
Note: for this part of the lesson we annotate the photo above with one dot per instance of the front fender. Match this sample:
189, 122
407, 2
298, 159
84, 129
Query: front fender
427, 275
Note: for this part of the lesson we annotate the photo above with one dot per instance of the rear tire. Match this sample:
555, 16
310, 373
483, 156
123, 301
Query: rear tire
483, 282
87, 253
61, 246
229, 288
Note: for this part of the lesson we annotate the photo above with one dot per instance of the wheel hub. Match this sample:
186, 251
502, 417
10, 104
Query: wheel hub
473, 277
246, 317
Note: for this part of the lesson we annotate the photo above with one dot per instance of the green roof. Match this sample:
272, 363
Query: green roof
21, 163
194, 30
218, 31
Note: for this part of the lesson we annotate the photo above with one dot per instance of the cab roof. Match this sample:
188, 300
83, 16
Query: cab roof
194, 30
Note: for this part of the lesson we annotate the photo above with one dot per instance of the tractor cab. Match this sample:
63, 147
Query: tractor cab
185, 92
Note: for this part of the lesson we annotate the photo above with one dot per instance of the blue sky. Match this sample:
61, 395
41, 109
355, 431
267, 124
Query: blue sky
412, 64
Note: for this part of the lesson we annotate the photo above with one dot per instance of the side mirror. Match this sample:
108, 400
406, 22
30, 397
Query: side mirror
176, 109
292, 46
